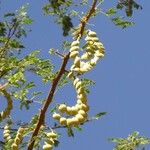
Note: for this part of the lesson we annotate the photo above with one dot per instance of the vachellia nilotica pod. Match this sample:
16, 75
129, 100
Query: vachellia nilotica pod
50, 140
18, 139
78, 112
94, 50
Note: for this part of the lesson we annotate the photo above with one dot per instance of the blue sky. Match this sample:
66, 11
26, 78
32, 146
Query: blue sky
122, 77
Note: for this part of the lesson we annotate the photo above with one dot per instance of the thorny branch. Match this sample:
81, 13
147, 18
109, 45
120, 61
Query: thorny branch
49, 99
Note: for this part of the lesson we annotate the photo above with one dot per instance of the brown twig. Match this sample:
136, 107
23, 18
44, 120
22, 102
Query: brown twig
86, 18
49, 99
4, 86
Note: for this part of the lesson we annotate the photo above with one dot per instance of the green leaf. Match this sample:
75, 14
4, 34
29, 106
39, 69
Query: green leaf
119, 21
78, 128
9, 14
111, 11
53, 110
70, 132
27, 21
99, 115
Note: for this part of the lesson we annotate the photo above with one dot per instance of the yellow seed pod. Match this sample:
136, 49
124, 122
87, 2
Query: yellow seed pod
80, 90
19, 137
75, 121
76, 69
70, 122
70, 111
14, 147
92, 34
99, 54
70, 74
6, 136
62, 108
6, 133
80, 118
82, 112
74, 110
98, 44
93, 61
85, 107
78, 85
74, 54
74, 48
56, 116
91, 50
63, 121
76, 81
77, 62
85, 56
75, 43
51, 135
79, 102
95, 39
83, 70
17, 141
50, 141
82, 97
88, 39
47, 146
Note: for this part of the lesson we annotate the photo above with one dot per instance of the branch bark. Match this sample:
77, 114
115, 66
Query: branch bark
49, 99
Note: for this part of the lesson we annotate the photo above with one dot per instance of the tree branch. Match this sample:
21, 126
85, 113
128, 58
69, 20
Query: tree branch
49, 99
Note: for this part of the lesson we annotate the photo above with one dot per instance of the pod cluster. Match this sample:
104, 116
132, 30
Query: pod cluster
18, 139
4, 114
6, 133
94, 50
78, 112
50, 140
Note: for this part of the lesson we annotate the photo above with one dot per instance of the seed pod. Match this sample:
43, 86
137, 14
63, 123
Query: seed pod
75, 43
56, 116
99, 54
18, 138
82, 112
63, 121
93, 61
69, 122
88, 39
62, 108
76, 69
6, 133
85, 107
80, 118
51, 135
50, 141
69, 111
82, 97
92, 34
47, 146
14, 147
74, 110
95, 39
70, 74
85, 56
80, 90
74, 54
77, 62
74, 48
78, 85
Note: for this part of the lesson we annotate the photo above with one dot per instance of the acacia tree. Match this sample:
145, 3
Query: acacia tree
84, 51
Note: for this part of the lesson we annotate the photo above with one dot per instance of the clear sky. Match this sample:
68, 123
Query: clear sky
122, 77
